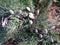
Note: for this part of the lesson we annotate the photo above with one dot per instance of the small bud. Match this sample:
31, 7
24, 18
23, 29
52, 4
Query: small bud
27, 8
19, 12
45, 31
19, 17
11, 11
31, 15
25, 14
36, 30
37, 11
4, 21
53, 27
40, 36
30, 22
51, 40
